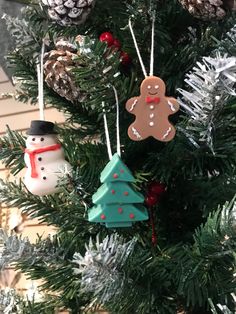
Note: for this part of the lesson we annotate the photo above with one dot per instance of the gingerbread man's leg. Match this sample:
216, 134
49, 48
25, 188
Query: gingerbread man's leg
166, 132
134, 132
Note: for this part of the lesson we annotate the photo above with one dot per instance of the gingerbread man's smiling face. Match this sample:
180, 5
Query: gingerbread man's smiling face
152, 86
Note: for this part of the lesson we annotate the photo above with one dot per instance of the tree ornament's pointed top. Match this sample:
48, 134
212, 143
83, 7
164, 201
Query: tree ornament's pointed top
116, 170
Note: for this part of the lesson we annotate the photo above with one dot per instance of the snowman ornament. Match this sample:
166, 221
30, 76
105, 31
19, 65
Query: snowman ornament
44, 159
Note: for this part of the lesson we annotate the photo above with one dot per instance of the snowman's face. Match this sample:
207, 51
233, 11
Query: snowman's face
35, 141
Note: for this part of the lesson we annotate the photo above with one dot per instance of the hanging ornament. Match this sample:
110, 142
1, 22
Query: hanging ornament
44, 156
69, 12
152, 108
58, 65
117, 204
208, 9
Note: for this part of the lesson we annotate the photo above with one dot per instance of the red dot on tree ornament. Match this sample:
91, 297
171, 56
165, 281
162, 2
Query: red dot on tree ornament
107, 37
151, 200
115, 175
125, 58
126, 193
116, 43
131, 216
113, 191
122, 170
120, 210
103, 217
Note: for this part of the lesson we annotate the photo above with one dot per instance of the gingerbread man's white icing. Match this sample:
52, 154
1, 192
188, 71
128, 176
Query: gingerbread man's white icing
152, 109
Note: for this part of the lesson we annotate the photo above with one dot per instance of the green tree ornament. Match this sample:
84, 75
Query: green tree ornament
116, 202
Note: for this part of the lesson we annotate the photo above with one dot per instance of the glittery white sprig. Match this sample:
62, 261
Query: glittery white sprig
101, 267
224, 308
211, 84
13, 249
9, 301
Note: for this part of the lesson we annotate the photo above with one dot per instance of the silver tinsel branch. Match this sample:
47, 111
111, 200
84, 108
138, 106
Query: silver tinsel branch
23, 33
13, 248
9, 302
211, 84
101, 267
223, 308
16, 249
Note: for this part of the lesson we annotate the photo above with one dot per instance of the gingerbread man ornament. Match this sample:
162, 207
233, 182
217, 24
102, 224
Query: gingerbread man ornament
152, 110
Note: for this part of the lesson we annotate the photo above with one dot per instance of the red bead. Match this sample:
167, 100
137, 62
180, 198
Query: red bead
126, 193
113, 191
125, 58
116, 43
131, 216
156, 188
107, 37
120, 210
151, 200
115, 175
103, 217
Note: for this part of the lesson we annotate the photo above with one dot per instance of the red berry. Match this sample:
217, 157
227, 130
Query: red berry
117, 43
125, 58
108, 38
151, 200
156, 188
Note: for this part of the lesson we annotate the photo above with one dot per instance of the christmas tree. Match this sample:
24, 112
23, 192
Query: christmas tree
115, 197
188, 180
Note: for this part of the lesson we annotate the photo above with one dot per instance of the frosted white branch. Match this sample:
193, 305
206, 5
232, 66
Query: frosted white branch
212, 83
100, 267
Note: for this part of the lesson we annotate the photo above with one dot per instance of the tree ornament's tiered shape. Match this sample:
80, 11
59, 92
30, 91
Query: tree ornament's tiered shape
116, 203
44, 158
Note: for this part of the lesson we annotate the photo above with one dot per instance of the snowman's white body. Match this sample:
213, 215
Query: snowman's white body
51, 166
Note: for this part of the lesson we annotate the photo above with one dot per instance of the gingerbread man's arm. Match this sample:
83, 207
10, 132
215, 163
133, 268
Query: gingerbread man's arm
172, 104
131, 105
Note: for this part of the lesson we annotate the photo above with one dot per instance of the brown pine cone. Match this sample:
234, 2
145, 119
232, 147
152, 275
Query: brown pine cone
58, 65
69, 12
208, 9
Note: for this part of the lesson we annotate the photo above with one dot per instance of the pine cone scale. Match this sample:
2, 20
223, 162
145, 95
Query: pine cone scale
207, 9
58, 65
68, 12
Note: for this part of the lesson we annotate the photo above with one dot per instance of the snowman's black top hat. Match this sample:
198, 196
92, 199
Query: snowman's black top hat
39, 127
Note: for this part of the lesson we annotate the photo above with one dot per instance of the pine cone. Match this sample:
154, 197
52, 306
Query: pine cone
208, 9
58, 65
69, 12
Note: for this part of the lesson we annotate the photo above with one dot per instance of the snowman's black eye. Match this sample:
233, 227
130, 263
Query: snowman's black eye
42, 139
33, 139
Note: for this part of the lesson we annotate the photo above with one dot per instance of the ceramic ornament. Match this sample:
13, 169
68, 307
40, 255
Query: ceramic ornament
152, 110
117, 204
44, 158
152, 107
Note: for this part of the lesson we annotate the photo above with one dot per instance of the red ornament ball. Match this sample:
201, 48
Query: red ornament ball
125, 58
107, 37
116, 43
156, 188
151, 200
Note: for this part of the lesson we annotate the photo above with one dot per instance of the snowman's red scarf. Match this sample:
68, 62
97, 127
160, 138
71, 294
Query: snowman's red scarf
33, 152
